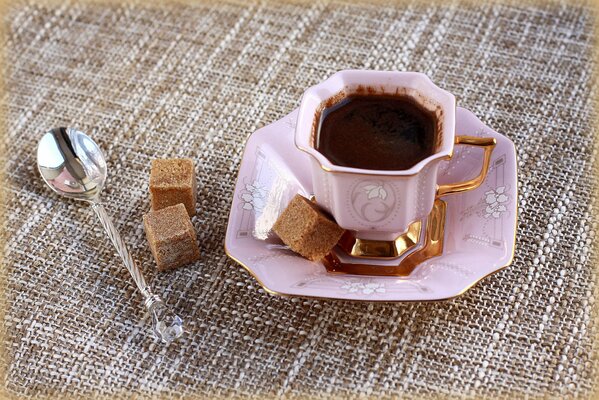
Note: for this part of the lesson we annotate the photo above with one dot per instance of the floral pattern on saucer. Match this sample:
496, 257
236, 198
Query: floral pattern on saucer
365, 288
254, 196
496, 200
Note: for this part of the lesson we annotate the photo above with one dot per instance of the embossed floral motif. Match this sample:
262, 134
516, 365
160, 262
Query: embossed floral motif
253, 197
375, 191
364, 288
372, 201
495, 200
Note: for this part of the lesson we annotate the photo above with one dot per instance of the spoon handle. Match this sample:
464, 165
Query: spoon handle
167, 325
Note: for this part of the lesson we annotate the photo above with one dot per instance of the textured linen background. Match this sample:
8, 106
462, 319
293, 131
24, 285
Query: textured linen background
195, 81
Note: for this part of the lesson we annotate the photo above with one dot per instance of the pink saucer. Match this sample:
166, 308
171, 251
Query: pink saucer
480, 224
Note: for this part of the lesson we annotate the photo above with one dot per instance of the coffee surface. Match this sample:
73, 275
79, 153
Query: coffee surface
376, 132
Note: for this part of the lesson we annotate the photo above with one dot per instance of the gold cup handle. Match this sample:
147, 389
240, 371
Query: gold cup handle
488, 144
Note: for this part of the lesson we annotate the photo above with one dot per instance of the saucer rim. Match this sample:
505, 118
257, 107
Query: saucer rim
308, 296
369, 300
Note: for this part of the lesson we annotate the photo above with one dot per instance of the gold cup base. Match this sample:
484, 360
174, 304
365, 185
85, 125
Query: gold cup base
432, 247
362, 248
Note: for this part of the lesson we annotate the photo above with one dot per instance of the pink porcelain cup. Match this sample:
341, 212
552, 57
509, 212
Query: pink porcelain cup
381, 205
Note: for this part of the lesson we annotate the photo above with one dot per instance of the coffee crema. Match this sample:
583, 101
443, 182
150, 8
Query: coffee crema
378, 132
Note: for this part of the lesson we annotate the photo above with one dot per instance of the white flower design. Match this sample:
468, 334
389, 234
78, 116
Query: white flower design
494, 200
365, 288
254, 197
375, 191
255, 187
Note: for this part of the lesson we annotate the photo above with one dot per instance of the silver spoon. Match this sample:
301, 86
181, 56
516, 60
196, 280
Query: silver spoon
73, 165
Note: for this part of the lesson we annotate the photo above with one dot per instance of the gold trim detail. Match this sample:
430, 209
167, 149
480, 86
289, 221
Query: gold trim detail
488, 144
362, 248
432, 247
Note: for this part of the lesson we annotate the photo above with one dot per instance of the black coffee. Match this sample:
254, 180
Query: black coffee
376, 132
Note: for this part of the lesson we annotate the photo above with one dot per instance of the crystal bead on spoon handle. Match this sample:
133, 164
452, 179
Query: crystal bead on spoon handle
167, 325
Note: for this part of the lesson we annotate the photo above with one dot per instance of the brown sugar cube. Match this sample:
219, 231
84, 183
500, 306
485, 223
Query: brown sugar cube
173, 181
171, 236
306, 230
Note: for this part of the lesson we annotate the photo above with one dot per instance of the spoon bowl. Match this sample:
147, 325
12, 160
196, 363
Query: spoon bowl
71, 163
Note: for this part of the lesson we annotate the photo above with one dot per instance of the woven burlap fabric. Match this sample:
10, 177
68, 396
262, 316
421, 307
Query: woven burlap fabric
194, 81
